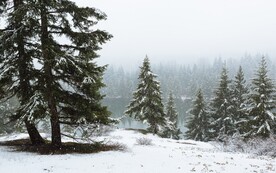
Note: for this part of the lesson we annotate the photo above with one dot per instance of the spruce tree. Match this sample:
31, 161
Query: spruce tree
147, 105
70, 77
198, 124
221, 108
66, 82
240, 90
261, 104
171, 117
17, 69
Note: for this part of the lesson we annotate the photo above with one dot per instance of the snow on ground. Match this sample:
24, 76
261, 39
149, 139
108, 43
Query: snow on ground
163, 156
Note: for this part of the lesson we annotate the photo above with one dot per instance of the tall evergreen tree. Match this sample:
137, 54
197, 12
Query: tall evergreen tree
71, 80
198, 124
171, 117
66, 81
17, 69
261, 104
147, 105
240, 90
221, 108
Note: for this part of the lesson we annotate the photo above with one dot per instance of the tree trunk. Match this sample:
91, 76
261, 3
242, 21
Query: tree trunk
56, 135
48, 77
35, 137
24, 83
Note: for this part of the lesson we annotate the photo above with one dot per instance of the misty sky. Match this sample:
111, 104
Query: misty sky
177, 31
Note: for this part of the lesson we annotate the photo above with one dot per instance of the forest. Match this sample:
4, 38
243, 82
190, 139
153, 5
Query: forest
56, 86
182, 80
63, 110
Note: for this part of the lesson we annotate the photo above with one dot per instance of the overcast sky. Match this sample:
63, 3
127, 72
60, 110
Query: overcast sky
179, 31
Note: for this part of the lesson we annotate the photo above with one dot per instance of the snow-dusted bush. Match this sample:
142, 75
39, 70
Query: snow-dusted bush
257, 145
144, 141
267, 147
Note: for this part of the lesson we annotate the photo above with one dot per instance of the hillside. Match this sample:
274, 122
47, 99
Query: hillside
162, 156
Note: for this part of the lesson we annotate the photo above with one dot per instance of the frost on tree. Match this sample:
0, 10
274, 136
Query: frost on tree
198, 124
239, 92
147, 105
71, 79
170, 127
261, 104
222, 109
65, 85
18, 76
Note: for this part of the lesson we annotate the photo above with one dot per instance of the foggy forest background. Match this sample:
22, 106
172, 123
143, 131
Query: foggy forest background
183, 80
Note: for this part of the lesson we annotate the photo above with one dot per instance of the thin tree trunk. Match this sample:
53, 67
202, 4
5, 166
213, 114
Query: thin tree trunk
48, 77
24, 83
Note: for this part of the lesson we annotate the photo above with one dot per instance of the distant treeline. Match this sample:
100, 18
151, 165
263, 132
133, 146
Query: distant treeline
183, 80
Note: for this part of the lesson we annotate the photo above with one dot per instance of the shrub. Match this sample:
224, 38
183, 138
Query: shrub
144, 141
256, 145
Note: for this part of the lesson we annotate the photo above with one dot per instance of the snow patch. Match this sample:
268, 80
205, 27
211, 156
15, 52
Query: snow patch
165, 155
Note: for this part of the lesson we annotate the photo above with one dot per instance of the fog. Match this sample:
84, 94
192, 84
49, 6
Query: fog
183, 31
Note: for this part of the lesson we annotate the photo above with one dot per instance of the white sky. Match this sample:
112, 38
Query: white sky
179, 31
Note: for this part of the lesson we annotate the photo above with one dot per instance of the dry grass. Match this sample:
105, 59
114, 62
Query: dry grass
66, 148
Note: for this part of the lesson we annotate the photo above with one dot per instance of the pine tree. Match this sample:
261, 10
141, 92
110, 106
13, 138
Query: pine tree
147, 105
66, 84
198, 124
261, 104
71, 80
221, 108
171, 117
17, 70
240, 90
